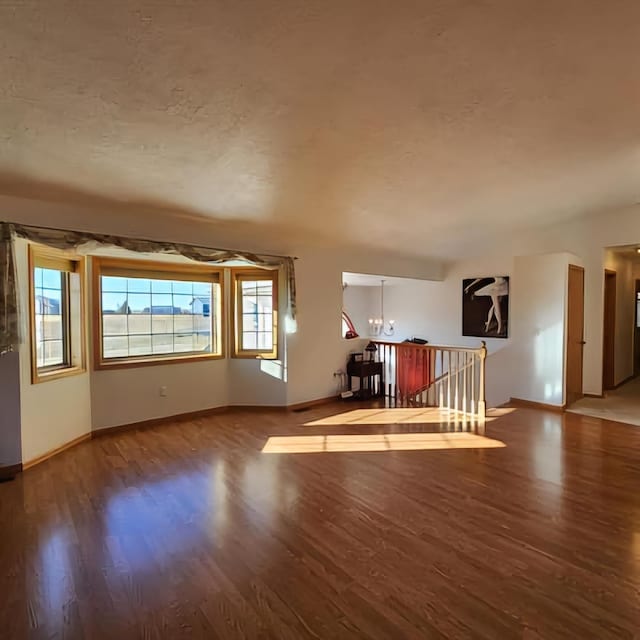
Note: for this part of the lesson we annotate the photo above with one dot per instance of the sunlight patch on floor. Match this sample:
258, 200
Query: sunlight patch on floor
423, 415
378, 442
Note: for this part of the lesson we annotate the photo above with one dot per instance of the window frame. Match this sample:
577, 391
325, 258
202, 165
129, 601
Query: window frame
200, 272
40, 256
238, 275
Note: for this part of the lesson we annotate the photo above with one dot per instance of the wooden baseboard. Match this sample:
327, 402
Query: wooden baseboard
279, 407
530, 404
8, 472
49, 454
311, 403
154, 422
594, 395
181, 417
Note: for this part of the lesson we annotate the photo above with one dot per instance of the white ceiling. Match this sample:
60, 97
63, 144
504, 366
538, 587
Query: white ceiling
419, 126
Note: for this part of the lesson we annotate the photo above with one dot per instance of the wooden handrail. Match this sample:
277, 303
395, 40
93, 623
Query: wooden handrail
434, 347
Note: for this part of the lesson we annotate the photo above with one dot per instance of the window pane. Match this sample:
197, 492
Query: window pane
256, 322
183, 342
201, 288
158, 317
183, 287
249, 322
182, 303
139, 323
139, 302
111, 283
249, 341
265, 304
116, 347
265, 340
114, 302
114, 324
49, 317
138, 285
139, 345
162, 343
161, 286
161, 323
51, 278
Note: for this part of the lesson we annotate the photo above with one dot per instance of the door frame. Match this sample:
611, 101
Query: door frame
636, 331
573, 396
609, 330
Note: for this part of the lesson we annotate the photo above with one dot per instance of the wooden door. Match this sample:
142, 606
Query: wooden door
575, 333
609, 331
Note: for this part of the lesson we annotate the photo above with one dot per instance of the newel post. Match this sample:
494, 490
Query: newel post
482, 405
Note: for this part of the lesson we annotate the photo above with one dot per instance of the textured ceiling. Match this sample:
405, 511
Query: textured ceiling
420, 126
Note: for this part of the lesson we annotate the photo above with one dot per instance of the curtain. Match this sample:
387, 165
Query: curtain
414, 370
9, 331
82, 241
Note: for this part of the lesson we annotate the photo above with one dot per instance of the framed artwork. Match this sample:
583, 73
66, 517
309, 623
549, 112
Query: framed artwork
485, 307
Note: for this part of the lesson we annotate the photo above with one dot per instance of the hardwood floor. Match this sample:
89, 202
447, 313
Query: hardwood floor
188, 530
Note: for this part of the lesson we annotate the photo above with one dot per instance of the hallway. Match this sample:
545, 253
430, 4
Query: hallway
621, 405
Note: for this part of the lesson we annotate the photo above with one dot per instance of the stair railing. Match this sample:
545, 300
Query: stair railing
451, 378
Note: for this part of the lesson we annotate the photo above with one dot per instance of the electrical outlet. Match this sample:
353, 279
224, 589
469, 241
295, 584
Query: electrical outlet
163, 392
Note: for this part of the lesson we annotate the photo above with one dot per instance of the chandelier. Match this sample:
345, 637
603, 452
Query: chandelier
378, 326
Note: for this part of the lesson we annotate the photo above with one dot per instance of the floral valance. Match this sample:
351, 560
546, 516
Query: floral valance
80, 240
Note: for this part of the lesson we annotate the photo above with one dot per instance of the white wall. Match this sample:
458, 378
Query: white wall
53, 412
125, 396
361, 303
625, 313
539, 306
257, 382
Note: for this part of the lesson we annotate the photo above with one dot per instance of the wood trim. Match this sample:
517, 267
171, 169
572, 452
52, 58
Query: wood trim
131, 267
429, 346
131, 363
64, 261
154, 422
238, 274
530, 404
573, 359
610, 302
49, 454
285, 408
312, 403
169, 268
8, 472
594, 395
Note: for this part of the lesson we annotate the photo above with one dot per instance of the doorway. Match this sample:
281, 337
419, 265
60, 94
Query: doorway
636, 339
609, 331
575, 334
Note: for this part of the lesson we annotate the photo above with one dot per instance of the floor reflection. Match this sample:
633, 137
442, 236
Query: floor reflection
420, 415
378, 442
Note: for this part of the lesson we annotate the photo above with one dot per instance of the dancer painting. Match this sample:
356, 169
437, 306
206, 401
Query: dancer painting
485, 307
